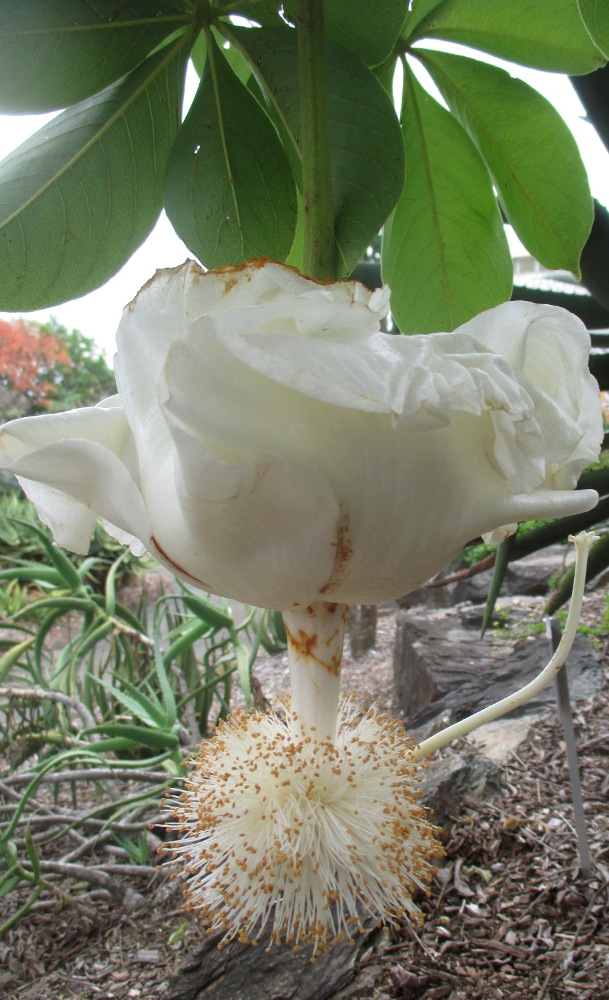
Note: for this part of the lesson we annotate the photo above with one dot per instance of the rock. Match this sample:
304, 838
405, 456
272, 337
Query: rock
530, 575
452, 776
498, 739
442, 668
243, 972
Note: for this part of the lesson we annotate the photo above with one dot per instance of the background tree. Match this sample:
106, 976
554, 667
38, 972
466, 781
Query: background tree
86, 378
43, 367
29, 358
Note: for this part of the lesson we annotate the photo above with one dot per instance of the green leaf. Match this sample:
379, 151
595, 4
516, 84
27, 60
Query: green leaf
234, 58
136, 702
90, 637
445, 254
38, 573
54, 53
153, 738
369, 30
208, 612
531, 154
265, 12
367, 153
595, 15
418, 11
229, 189
12, 656
502, 562
80, 196
547, 35
198, 54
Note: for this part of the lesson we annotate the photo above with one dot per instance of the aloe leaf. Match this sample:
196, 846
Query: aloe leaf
208, 612
242, 658
38, 573
11, 658
139, 735
502, 561
135, 702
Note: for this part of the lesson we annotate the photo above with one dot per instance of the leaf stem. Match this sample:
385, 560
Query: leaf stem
319, 258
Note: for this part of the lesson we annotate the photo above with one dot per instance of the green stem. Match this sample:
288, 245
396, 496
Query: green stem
319, 258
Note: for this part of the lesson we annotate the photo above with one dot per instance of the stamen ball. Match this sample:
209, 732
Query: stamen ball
300, 837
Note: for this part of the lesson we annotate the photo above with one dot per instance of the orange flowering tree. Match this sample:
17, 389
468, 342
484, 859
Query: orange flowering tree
29, 358
45, 367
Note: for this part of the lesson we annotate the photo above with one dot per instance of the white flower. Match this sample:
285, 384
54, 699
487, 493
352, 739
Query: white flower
306, 836
269, 444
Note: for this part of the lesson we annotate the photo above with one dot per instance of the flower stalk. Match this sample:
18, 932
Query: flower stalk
319, 255
315, 642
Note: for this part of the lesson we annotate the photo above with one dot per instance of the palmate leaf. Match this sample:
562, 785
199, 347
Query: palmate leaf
595, 14
265, 12
549, 36
366, 148
531, 154
83, 193
445, 253
368, 29
54, 53
229, 190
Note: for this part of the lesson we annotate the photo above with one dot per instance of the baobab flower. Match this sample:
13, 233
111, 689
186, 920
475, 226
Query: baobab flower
270, 444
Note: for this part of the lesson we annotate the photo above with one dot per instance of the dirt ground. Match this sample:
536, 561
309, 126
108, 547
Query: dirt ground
510, 916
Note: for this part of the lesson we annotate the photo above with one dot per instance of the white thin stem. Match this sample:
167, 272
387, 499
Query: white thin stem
583, 543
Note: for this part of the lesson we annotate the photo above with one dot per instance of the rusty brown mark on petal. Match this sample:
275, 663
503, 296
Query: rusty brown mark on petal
232, 272
305, 643
344, 551
176, 566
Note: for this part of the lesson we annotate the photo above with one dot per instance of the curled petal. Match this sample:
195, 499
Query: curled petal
273, 445
77, 465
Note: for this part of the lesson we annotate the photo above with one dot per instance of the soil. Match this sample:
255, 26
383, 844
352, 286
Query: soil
509, 917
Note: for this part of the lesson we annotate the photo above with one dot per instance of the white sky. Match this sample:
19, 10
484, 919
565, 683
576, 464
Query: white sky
97, 314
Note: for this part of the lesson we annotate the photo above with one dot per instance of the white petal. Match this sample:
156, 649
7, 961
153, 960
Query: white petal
83, 464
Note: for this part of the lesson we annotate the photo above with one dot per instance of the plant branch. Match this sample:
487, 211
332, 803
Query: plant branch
319, 258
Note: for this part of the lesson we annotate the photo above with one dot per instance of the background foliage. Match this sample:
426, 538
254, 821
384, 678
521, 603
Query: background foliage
44, 368
229, 176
